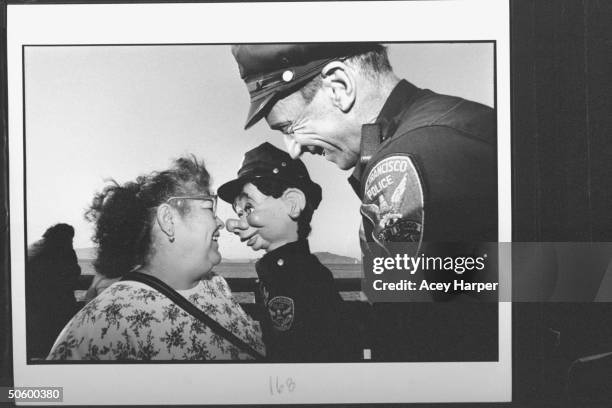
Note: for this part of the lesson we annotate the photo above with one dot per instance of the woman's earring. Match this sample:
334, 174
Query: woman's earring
171, 238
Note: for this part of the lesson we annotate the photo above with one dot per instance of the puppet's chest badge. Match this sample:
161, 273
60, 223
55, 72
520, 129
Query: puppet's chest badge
282, 312
393, 200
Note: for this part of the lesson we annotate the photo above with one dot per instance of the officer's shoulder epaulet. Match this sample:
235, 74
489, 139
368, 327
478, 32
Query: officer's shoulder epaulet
433, 109
429, 109
466, 117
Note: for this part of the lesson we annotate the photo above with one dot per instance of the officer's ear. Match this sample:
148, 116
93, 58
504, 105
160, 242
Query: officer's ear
295, 201
339, 81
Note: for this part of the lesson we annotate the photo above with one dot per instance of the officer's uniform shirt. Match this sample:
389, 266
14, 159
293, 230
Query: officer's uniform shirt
427, 176
301, 305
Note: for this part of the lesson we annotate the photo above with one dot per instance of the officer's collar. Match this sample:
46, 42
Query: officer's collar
286, 253
373, 134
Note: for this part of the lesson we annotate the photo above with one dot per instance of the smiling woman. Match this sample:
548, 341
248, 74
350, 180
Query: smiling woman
159, 233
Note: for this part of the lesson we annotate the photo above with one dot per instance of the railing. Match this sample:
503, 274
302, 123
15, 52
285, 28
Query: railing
244, 289
356, 308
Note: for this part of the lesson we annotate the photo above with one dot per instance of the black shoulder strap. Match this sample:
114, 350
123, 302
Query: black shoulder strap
192, 310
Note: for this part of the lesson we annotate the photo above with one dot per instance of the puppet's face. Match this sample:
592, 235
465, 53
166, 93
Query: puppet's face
264, 221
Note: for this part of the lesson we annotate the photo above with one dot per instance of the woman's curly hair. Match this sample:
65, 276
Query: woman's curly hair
124, 214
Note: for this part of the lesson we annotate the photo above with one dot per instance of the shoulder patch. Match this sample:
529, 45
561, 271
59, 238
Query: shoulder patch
393, 200
282, 312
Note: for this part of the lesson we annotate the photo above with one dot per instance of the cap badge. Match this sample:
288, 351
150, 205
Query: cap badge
287, 76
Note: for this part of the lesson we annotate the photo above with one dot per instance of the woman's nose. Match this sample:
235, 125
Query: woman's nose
233, 224
219, 223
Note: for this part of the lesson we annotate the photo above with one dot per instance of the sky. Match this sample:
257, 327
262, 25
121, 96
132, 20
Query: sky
94, 113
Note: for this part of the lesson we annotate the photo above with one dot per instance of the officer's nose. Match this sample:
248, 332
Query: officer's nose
236, 225
293, 147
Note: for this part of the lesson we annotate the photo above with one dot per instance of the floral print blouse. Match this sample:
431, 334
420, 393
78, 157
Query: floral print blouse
132, 321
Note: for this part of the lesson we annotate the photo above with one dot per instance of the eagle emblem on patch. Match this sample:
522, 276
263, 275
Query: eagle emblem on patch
393, 201
282, 312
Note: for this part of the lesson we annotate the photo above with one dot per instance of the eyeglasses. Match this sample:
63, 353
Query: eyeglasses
212, 199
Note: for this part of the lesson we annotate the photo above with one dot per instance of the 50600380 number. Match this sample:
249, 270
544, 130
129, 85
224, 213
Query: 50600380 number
32, 394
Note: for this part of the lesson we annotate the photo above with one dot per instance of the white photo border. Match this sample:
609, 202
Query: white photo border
450, 20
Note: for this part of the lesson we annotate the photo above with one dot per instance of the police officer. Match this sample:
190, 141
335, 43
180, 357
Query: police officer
424, 168
275, 199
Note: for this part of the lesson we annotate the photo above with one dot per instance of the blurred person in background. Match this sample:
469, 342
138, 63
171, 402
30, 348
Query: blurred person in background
52, 274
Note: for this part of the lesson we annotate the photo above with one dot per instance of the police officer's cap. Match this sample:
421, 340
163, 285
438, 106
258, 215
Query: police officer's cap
267, 161
272, 71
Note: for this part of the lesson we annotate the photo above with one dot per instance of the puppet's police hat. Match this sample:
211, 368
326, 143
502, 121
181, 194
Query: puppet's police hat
267, 161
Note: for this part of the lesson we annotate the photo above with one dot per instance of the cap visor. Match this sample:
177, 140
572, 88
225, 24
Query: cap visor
257, 110
230, 190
